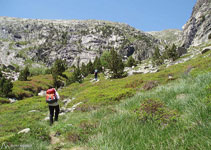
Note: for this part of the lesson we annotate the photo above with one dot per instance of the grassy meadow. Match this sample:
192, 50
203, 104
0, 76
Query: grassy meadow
112, 116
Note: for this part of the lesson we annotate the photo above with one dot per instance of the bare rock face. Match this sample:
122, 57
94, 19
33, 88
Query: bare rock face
198, 28
43, 41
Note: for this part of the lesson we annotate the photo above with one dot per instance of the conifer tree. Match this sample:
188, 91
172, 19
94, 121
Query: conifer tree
157, 59
0, 74
57, 70
115, 64
6, 86
97, 64
84, 70
90, 67
171, 53
59, 67
24, 74
104, 59
165, 55
55, 80
131, 62
76, 76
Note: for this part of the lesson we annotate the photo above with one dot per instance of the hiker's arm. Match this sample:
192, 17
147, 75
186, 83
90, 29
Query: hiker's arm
57, 95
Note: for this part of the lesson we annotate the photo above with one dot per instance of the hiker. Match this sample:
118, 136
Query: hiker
52, 98
103, 69
96, 74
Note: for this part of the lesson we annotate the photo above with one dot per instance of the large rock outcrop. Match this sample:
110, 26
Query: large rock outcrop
28, 41
198, 28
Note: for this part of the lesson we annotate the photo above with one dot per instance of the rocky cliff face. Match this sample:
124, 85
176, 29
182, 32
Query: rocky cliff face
27, 41
198, 27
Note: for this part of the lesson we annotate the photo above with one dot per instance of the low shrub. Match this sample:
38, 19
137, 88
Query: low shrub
134, 84
149, 85
74, 137
156, 111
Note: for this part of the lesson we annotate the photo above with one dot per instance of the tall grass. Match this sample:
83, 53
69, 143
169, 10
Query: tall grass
124, 131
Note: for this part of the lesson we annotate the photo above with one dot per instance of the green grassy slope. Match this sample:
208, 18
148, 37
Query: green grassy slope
111, 91
107, 119
23, 89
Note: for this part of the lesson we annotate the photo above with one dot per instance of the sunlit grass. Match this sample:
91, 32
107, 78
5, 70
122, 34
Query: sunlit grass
107, 118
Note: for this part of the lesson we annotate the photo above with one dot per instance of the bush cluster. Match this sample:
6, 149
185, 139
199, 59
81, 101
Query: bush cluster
156, 111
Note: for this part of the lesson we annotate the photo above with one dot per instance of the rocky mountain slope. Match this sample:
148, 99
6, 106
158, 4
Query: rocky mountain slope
168, 36
40, 42
198, 27
196, 31
25, 41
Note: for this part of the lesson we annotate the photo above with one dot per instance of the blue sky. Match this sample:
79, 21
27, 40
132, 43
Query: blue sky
146, 15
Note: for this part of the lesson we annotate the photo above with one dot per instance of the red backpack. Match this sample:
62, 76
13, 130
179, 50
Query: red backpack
51, 96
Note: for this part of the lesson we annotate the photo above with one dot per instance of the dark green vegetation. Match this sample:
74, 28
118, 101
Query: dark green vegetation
115, 64
169, 53
175, 113
131, 62
24, 74
5, 86
57, 71
109, 60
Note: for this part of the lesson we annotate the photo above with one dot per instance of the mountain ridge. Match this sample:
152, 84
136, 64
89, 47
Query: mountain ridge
39, 42
69, 39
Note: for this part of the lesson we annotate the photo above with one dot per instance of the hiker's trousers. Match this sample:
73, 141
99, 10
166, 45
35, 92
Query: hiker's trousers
51, 109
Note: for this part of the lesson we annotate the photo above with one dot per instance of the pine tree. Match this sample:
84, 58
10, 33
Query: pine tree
6, 86
165, 54
24, 74
104, 59
55, 81
157, 59
171, 53
97, 64
156, 53
76, 76
59, 67
84, 70
90, 67
131, 62
115, 64
57, 70
0, 74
